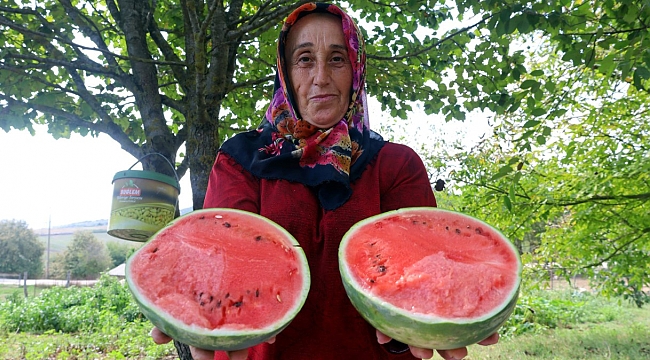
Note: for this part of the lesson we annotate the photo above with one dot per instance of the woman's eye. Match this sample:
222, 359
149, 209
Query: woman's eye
304, 59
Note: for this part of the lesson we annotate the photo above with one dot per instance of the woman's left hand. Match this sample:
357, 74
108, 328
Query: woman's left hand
454, 354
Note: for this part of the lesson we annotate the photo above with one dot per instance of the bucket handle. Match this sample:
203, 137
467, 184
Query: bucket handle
161, 155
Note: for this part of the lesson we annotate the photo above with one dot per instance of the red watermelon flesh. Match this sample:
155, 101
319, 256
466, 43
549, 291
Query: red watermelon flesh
434, 262
220, 269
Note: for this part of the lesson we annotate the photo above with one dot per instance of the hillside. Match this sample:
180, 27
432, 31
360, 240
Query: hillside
91, 225
95, 226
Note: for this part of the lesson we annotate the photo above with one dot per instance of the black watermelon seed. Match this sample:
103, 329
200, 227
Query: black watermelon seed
219, 303
155, 250
227, 295
202, 303
226, 224
446, 227
211, 298
457, 231
382, 268
258, 238
372, 281
238, 303
257, 293
479, 230
201, 217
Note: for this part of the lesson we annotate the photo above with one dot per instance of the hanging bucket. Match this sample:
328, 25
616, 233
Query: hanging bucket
143, 202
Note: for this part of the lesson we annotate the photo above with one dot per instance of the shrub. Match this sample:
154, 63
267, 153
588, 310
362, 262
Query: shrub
69, 309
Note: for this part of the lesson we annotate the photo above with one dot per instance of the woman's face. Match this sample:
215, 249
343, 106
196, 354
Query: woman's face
319, 69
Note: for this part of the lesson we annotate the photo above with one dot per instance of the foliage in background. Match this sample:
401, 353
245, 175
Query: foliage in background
20, 250
103, 322
566, 174
120, 251
69, 310
86, 257
77, 322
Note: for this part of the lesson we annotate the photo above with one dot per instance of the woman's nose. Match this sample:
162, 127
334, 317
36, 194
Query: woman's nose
323, 74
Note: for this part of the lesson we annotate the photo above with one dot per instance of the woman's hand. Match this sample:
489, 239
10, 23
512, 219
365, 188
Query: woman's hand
454, 354
200, 354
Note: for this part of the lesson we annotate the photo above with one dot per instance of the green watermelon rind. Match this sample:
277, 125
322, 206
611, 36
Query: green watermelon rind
423, 330
219, 339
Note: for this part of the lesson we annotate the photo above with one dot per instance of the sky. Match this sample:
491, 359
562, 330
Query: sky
70, 180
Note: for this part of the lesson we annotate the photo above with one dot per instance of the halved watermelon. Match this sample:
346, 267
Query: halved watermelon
220, 279
430, 278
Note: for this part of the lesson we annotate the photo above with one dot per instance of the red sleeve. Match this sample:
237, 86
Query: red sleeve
230, 186
404, 180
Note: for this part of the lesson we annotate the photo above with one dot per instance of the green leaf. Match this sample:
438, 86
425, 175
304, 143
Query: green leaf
529, 84
549, 86
503, 171
507, 203
531, 123
607, 65
641, 74
538, 111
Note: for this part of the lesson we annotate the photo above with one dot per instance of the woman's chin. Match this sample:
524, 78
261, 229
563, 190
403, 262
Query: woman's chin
324, 122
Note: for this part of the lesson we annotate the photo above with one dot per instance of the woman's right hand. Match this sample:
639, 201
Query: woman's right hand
200, 354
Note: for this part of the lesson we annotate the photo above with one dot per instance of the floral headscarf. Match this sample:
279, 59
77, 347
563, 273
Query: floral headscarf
291, 148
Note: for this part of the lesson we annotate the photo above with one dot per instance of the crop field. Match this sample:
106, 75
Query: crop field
59, 242
565, 325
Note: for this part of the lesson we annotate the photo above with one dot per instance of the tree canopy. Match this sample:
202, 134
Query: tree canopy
157, 75
86, 257
20, 249
572, 153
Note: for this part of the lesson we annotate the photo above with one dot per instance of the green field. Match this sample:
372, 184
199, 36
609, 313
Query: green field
59, 242
566, 325
9, 290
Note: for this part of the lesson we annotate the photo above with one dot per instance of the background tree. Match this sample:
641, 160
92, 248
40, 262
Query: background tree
85, 257
572, 152
120, 251
20, 249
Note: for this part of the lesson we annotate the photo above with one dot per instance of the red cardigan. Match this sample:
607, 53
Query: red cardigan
328, 326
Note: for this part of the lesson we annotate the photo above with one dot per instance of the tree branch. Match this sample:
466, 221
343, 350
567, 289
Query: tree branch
177, 105
432, 46
75, 121
168, 52
264, 19
618, 249
89, 29
183, 167
251, 83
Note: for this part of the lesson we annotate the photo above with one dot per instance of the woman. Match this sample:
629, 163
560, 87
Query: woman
315, 168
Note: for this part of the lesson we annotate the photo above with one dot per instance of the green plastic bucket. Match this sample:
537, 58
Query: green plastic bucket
143, 203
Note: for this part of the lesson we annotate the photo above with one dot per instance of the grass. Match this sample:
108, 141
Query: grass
616, 331
131, 342
8, 290
59, 242
586, 327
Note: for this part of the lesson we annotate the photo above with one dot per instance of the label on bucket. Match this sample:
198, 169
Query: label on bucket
140, 208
